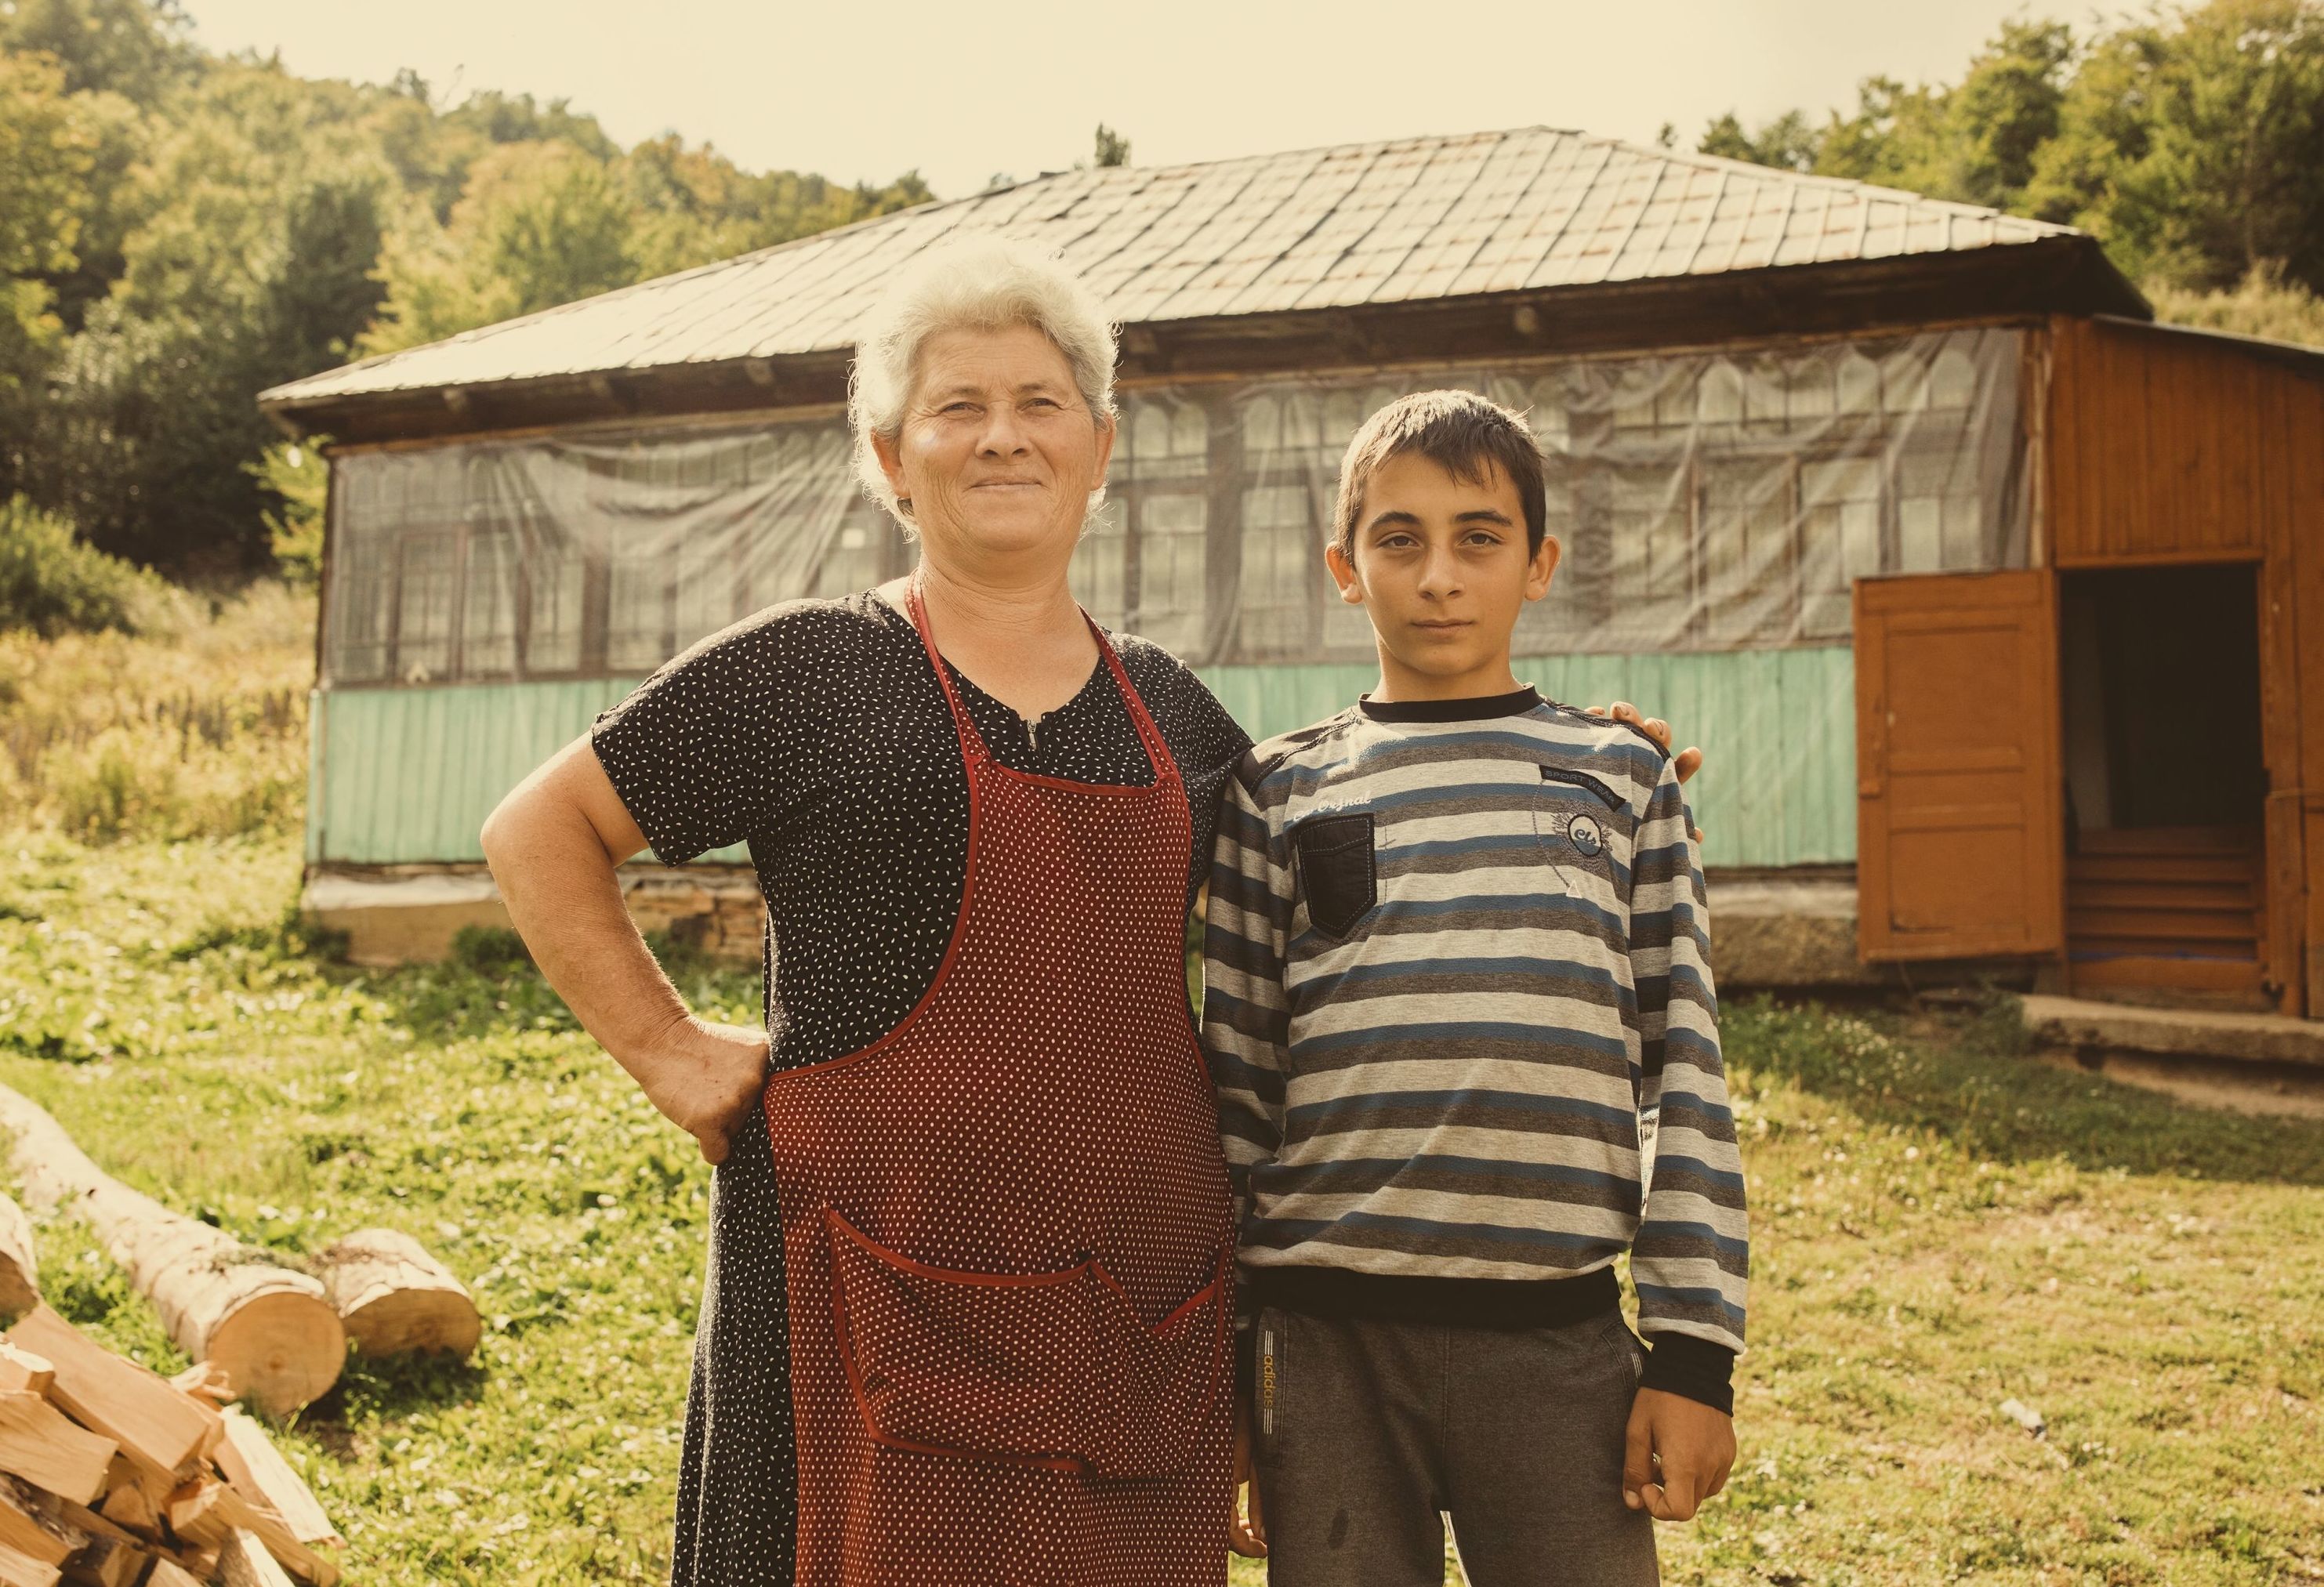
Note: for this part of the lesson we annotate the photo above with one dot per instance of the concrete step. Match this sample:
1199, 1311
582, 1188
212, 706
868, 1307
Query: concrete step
2202, 1033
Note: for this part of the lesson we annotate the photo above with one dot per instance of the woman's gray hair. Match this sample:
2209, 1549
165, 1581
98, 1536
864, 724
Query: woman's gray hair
981, 283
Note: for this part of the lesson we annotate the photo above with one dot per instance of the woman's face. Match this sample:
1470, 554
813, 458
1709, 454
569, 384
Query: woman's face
998, 453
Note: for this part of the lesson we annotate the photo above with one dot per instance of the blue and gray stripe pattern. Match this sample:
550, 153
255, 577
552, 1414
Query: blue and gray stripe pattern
1453, 968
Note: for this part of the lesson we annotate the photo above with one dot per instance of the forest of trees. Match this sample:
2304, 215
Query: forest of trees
2191, 142
179, 229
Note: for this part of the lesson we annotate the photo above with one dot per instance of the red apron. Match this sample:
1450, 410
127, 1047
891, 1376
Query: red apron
1006, 1225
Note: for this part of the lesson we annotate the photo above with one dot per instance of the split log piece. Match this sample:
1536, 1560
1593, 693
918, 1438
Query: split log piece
22, 1569
268, 1325
44, 1446
20, 1370
20, 1269
241, 1515
82, 1518
251, 1464
24, 1527
135, 1406
199, 1563
169, 1573
193, 1515
392, 1295
205, 1380
244, 1562
128, 1506
106, 1561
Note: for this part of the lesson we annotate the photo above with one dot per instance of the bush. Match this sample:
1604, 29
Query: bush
52, 582
2264, 305
203, 733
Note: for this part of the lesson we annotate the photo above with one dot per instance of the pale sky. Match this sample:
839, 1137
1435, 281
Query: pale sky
966, 91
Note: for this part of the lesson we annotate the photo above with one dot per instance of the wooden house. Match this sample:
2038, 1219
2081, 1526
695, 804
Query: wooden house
1998, 609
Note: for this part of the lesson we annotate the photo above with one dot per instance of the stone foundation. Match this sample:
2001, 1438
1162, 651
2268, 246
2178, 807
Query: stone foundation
407, 914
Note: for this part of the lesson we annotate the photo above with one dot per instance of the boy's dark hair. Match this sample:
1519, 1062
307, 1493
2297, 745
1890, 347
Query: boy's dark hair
1466, 435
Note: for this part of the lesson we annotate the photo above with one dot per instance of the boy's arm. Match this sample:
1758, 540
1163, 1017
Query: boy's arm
1690, 1260
1246, 1014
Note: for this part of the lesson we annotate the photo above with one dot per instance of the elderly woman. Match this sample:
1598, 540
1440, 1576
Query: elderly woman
966, 1318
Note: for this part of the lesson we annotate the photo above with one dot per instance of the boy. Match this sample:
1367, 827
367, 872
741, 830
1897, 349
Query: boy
1457, 953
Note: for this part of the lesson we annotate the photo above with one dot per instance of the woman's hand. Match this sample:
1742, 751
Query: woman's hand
706, 1078
1689, 759
1246, 1528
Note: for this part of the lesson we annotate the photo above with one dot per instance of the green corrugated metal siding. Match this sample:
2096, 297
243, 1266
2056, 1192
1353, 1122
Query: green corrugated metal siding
409, 775
1777, 729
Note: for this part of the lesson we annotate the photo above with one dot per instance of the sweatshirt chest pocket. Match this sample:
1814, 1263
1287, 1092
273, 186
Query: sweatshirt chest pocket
1337, 874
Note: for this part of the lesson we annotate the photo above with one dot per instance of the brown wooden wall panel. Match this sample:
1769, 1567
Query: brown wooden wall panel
2156, 450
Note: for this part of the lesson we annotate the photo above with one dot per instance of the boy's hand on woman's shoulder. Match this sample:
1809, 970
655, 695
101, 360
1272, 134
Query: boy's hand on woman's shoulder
1676, 1455
1689, 759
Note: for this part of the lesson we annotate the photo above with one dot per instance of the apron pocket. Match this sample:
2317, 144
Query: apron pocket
1053, 1369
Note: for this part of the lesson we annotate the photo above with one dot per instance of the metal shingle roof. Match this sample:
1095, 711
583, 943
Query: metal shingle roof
1401, 221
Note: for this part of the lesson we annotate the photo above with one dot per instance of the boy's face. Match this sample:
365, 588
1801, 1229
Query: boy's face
1440, 564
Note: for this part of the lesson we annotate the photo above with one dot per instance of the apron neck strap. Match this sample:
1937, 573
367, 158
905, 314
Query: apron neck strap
972, 738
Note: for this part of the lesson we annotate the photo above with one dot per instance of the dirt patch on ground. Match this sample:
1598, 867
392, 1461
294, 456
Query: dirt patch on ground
2274, 1090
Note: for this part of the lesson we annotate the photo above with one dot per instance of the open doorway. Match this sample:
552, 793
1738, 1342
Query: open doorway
2166, 784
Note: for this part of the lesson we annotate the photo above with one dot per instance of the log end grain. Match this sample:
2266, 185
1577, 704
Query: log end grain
280, 1351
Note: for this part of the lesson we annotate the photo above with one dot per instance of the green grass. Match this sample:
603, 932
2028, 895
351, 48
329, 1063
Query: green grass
1939, 1225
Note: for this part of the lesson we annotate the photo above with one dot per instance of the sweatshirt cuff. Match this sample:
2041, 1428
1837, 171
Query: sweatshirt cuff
1694, 1369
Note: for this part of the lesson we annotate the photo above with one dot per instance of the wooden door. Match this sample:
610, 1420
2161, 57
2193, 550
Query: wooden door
1961, 839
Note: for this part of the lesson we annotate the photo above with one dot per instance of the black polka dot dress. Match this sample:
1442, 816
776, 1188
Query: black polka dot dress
817, 733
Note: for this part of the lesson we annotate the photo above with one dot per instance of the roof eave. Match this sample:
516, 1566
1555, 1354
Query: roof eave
2065, 274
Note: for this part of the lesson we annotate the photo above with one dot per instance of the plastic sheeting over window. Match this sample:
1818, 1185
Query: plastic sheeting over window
1707, 501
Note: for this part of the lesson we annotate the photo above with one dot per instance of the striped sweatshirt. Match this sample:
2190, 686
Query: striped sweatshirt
1457, 970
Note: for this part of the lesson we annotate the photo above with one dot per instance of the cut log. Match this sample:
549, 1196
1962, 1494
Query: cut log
44, 1447
20, 1370
169, 1573
155, 1424
244, 1562
26, 1527
22, 1569
267, 1325
251, 1464
20, 1270
392, 1295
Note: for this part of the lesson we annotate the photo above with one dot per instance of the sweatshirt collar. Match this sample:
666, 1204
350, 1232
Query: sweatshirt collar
1477, 708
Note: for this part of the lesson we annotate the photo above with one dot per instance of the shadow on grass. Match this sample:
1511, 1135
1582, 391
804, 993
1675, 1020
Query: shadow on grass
489, 984
1970, 1079
391, 1387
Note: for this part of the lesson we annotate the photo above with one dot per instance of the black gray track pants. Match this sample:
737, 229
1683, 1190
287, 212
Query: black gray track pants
1365, 1431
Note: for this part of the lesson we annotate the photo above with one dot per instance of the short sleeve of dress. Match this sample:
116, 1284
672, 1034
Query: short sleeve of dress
694, 750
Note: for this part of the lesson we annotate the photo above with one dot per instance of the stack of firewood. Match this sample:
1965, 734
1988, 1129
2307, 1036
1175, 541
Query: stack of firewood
114, 1476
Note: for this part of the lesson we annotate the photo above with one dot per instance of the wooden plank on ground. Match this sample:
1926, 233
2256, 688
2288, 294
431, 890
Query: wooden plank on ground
244, 1562
251, 1464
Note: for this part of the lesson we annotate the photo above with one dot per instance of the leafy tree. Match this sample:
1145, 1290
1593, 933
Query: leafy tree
542, 224
2194, 145
48, 147
1112, 147
1786, 143
137, 48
